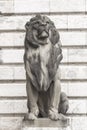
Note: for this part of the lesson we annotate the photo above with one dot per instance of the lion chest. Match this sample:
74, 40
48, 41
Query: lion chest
38, 61
45, 56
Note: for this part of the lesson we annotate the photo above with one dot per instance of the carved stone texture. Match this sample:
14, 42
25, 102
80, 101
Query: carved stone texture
45, 122
42, 57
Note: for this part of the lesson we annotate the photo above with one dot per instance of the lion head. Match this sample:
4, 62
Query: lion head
39, 29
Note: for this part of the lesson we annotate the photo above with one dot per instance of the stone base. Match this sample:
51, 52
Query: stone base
45, 122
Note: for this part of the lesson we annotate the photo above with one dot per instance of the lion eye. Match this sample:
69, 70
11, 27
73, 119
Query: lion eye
38, 22
47, 22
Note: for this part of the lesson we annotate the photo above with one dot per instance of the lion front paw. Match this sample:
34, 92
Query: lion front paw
30, 116
57, 116
53, 116
62, 117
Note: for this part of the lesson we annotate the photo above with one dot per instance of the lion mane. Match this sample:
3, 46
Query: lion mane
34, 24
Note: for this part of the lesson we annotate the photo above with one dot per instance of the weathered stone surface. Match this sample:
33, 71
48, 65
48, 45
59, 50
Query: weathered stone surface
19, 106
67, 6
16, 55
43, 54
33, 6
10, 123
6, 6
70, 72
70, 18
15, 123
62, 22
73, 38
45, 122
18, 90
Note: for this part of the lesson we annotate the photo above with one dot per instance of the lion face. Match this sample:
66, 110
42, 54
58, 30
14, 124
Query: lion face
39, 29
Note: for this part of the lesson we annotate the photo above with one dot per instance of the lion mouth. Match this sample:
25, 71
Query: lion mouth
41, 38
43, 35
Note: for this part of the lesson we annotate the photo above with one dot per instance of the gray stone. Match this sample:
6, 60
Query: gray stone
45, 122
42, 57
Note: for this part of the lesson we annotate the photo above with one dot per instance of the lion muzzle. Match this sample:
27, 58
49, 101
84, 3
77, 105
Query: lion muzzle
44, 34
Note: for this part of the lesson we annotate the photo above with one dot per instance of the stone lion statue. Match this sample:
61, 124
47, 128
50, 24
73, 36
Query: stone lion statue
42, 58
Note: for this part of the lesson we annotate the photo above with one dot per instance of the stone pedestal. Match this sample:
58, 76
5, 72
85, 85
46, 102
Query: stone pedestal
45, 124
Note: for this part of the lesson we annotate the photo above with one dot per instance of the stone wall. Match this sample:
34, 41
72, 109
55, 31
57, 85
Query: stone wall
70, 17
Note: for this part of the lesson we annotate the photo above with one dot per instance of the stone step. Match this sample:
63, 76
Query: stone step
43, 123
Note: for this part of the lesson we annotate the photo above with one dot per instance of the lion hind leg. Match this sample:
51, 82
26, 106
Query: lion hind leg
55, 102
64, 103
